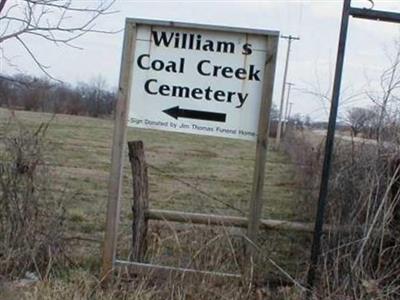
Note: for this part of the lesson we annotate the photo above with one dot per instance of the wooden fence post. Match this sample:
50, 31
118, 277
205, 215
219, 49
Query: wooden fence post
140, 199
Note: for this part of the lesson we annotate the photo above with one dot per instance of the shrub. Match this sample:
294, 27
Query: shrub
31, 219
364, 196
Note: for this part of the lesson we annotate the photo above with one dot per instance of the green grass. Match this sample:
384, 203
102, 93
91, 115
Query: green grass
79, 149
79, 154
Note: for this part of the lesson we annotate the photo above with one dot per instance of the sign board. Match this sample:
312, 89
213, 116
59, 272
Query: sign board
198, 81
192, 78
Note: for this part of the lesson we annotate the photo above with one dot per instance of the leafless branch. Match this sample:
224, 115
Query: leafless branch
56, 21
8, 60
38, 63
389, 85
2, 4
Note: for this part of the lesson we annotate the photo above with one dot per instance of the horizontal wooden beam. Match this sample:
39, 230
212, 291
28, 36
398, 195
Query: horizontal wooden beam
167, 271
377, 15
196, 218
210, 219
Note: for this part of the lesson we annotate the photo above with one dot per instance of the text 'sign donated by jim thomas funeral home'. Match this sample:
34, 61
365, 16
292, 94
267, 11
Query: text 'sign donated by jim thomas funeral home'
197, 81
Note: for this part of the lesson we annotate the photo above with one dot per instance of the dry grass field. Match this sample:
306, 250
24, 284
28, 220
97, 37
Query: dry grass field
186, 172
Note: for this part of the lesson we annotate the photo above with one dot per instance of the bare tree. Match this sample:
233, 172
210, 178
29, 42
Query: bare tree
307, 120
98, 99
348, 96
360, 119
98, 95
387, 94
55, 21
6, 92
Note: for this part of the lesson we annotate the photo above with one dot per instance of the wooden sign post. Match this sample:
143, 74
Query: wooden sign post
197, 79
117, 154
262, 142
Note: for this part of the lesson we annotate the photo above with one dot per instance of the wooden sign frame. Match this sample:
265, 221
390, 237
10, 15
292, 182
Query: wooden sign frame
109, 261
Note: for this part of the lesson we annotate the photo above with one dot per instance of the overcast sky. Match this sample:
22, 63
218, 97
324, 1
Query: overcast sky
312, 58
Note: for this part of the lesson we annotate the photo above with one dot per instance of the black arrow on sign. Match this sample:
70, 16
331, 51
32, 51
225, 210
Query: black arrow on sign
176, 112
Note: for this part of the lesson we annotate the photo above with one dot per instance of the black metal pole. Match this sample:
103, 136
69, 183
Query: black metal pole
376, 15
329, 143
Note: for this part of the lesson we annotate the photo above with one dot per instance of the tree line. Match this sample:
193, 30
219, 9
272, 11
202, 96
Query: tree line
370, 123
40, 94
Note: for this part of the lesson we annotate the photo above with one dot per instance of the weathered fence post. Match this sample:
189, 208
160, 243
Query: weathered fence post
140, 199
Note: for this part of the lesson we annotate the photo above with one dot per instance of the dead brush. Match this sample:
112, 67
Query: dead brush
364, 195
188, 246
216, 249
31, 218
307, 156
